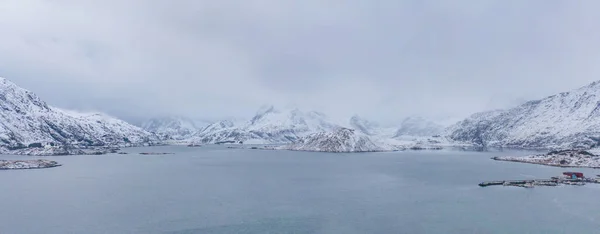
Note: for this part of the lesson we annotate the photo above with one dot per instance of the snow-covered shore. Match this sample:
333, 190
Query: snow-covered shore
563, 158
61, 151
27, 164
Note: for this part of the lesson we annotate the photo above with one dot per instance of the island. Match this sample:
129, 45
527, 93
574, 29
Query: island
27, 164
559, 158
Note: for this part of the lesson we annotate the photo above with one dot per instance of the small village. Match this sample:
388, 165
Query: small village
567, 178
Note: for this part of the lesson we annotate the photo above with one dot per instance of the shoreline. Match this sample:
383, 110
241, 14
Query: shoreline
540, 163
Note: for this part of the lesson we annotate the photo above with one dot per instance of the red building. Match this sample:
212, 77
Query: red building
574, 175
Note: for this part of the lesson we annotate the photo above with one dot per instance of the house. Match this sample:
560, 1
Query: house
574, 175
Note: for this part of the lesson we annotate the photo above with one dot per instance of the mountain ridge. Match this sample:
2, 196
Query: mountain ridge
564, 120
27, 121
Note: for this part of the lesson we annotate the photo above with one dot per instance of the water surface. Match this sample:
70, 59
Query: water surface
219, 190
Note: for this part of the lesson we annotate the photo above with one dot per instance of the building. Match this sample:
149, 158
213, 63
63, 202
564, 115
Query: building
574, 175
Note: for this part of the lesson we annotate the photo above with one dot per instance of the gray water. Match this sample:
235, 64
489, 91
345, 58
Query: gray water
220, 190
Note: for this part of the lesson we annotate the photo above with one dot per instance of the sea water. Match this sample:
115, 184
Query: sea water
215, 189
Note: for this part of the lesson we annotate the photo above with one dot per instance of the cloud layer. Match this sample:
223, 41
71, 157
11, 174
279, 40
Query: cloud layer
381, 59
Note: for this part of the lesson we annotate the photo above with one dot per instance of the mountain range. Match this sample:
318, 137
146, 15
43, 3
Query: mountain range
269, 125
566, 120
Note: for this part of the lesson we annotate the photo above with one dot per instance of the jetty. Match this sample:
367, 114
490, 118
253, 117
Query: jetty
568, 178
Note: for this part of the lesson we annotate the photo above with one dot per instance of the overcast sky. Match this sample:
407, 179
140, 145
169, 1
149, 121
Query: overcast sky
381, 59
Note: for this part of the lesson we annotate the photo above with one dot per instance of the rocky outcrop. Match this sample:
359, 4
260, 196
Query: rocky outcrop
27, 164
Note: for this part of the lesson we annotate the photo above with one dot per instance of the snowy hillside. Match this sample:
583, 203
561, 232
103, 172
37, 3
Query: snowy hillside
269, 125
174, 128
338, 141
419, 126
563, 158
370, 128
565, 120
27, 121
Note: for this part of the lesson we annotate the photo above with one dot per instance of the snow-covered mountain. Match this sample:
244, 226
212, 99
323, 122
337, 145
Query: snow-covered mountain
174, 128
338, 141
565, 120
27, 121
269, 125
419, 126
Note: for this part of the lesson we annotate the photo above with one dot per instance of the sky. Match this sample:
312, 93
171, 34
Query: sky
383, 60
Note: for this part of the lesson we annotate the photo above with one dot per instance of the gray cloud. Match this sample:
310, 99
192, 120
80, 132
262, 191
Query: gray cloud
381, 59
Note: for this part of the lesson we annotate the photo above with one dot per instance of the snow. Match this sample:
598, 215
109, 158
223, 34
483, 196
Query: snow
27, 164
565, 120
370, 128
174, 128
418, 126
270, 125
61, 150
422, 143
564, 158
338, 141
25, 119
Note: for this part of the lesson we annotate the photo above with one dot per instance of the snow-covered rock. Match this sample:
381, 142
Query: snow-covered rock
562, 158
569, 120
268, 126
27, 164
174, 128
338, 141
419, 126
28, 122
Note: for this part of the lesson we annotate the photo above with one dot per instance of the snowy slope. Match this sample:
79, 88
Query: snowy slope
564, 158
370, 128
25, 119
338, 141
174, 128
565, 120
419, 126
269, 125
